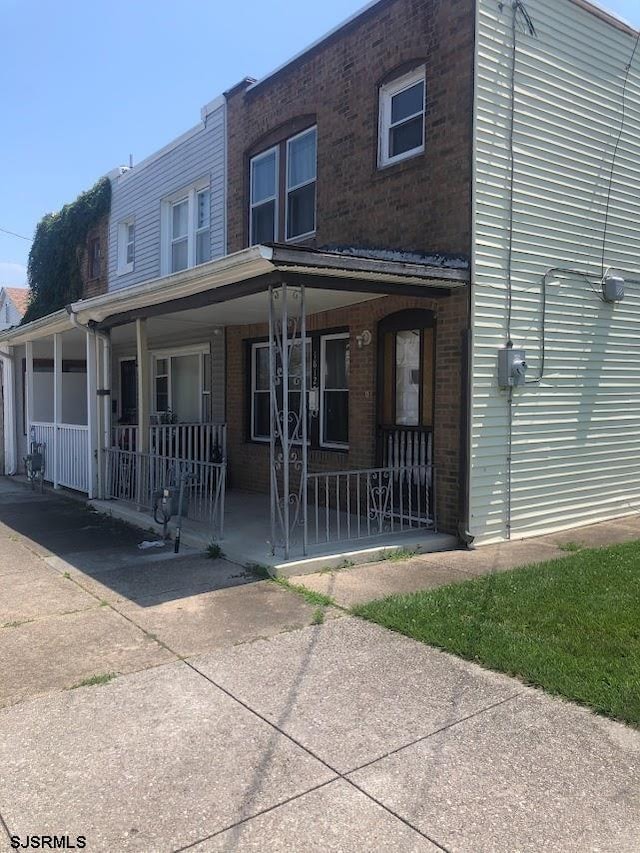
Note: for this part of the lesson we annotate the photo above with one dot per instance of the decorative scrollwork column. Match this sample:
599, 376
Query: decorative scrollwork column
288, 433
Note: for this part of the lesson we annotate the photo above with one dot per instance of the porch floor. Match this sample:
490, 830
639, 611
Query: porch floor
247, 534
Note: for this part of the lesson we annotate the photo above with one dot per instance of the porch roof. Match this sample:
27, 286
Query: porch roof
251, 271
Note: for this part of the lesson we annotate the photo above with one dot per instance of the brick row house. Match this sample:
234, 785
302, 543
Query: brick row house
336, 310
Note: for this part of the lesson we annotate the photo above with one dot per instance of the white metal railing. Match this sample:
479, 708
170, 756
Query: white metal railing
195, 441
68, 445
403, 445
343, 505
136, 477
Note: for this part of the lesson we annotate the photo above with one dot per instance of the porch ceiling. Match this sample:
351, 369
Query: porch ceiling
245, 310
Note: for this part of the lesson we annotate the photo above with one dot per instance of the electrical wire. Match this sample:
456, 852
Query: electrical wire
623, 117
13, 234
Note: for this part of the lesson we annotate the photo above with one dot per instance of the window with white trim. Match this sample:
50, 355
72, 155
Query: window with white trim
334, 390
178, 384
264, 197
327, 389
402, 118
301, 184
126, 246
287, 170
186, 228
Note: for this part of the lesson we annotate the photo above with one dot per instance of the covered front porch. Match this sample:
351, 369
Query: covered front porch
290, 393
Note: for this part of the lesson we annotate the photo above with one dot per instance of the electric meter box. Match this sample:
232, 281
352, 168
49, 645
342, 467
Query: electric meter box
512, 367
613, 288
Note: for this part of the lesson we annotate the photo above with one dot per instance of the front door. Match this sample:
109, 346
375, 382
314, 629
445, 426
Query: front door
128, 392
406, 350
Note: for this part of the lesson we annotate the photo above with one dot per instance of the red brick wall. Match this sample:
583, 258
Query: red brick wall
422, 203
249, 461
96, 286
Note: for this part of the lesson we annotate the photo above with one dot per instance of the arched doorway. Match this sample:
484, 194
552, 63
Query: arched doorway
405, 394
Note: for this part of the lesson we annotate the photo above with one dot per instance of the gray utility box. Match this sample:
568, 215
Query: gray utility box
613, 288
512, 367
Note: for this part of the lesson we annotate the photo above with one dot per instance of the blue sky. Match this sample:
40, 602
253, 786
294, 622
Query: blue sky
85, 84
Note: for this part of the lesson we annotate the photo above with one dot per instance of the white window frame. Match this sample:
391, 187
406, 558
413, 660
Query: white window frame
261, 345
291, 189
190, 194
125, 266
335, 445
175, 352
275, 198
387, 92
207, 227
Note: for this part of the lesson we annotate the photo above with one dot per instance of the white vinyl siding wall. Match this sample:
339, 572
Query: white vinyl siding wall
138, 194
576, 436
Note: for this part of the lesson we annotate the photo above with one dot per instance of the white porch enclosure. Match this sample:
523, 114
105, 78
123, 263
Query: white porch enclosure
195, 441
66, 454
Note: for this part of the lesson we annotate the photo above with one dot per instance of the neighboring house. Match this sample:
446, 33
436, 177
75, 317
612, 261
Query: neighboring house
309, 294
13, 305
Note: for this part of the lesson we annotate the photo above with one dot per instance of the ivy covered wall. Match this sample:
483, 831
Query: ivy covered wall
54, 270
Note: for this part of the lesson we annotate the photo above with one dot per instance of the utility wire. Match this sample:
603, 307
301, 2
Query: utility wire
623, 118
13, 234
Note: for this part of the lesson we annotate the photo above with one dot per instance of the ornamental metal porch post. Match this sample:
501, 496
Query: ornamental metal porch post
288, 432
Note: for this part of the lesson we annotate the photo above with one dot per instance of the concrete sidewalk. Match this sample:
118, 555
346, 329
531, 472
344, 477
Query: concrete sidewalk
231, 722
340, 737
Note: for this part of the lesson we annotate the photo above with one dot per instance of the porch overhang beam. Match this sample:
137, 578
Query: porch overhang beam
381, 287
202, 299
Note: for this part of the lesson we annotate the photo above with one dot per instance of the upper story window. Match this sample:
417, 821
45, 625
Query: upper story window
94, 257
186, 234
126, 246
290, 170
401, 119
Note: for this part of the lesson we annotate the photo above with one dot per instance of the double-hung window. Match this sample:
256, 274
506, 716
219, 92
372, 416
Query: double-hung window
402, 117
286, 171
264, 197
126, 246
334, 390
186, 228
301, 184
327, 389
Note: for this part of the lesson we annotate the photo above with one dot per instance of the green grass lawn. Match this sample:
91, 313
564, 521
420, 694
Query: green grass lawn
570, 626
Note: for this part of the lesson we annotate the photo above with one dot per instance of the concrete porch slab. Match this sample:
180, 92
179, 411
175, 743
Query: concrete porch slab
331, 819
245, 539
150, 762
532, 774
352, 691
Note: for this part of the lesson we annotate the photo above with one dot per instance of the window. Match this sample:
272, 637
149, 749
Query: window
334, 389
186, 229
401, 121
264, 197
178, 378
327, 389
126, 246
301, 184
94, 257
288, 171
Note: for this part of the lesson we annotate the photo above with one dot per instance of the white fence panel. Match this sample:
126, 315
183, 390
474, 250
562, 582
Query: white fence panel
73, 457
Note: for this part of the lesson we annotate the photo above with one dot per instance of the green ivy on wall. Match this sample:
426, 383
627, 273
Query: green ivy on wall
57, 253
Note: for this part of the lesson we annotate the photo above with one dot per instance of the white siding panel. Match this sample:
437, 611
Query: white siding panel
576, 435
139, 193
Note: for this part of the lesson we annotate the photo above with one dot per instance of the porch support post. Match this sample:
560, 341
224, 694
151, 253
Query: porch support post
142, 363
29, 390
142, 439
288, 426
303, 420
105, 409
92, 412
57, 406
9, 411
